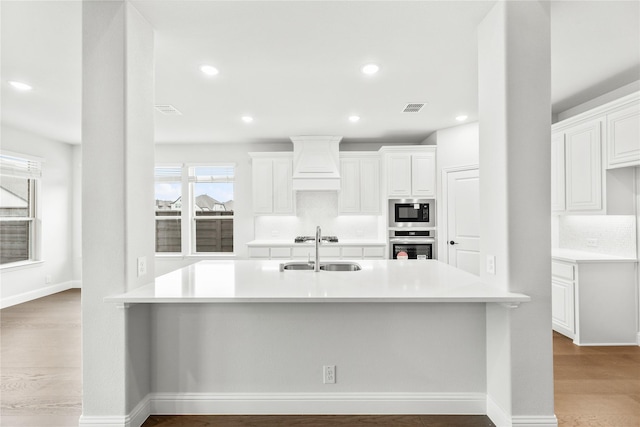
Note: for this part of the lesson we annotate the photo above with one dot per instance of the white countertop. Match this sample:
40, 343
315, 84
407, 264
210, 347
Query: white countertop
290, 243
261, 281
572, 255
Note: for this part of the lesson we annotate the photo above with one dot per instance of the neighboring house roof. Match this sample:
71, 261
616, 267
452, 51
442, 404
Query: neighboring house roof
204, 202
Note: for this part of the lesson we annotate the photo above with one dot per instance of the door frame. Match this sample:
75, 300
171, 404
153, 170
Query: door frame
443, 235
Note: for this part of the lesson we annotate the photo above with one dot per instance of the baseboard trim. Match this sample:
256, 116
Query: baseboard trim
35, 294
317, 403
501, 418
498, 416
534, 421
76, 284
638, 339
135, 419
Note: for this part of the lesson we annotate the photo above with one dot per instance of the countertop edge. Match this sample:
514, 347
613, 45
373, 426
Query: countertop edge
512, 298
275, 243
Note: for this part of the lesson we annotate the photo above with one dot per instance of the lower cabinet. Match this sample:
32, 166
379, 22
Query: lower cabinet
309, 252
594, 303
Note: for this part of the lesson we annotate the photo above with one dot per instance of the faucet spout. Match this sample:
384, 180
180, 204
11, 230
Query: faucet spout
318, 243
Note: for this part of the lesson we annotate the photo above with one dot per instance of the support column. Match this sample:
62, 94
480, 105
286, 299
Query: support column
117, 206
515, 128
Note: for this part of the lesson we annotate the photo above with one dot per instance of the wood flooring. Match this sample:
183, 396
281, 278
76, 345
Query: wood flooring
40, 380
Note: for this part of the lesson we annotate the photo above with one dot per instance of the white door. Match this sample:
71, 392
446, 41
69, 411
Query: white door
463, 224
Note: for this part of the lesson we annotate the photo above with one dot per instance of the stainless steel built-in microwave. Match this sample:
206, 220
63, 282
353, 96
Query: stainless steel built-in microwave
412, 213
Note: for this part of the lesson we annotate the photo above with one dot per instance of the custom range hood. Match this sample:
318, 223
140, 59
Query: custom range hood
316, 165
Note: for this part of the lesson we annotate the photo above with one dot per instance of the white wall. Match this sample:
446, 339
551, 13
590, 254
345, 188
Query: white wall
56, 207
457, 146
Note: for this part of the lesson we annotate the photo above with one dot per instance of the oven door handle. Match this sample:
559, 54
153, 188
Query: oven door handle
408, 241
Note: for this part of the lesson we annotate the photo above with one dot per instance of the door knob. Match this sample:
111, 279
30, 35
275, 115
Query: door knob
451, 242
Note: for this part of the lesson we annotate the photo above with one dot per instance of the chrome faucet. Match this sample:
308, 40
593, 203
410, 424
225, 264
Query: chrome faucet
318, 243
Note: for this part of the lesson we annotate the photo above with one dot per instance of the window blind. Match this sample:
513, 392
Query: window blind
16, 166
224, 173
168, 173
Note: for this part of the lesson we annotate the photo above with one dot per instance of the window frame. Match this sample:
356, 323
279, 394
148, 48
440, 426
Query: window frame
188, 216
33, 174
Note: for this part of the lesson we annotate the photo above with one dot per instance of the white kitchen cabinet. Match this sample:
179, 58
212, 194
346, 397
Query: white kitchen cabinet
307, 251
623, 127
562, 298
272, 183
360, 187
410, 171
557, 173
583, 145
583, 180
594, 302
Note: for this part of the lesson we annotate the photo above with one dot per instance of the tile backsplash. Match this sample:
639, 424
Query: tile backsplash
317, 208
605, 234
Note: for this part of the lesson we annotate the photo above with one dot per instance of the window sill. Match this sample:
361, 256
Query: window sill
197, 256
20, 265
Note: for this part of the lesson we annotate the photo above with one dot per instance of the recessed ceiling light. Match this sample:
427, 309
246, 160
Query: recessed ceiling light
354, 119
370, 69
461, 118
247, 119
209, 70
20, 86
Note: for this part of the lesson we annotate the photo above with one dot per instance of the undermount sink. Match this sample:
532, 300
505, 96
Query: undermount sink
296, 266
341, 266
332, 266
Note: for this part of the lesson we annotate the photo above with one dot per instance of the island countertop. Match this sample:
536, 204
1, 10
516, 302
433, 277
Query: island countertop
241, 281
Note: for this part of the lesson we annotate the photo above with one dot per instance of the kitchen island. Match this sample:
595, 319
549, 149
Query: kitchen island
262, 281
243, 337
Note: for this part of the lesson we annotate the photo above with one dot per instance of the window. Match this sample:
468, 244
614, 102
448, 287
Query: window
18, 190
212, 207
168, 189
205, 223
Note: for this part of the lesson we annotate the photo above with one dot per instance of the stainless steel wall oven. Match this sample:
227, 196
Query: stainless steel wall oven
418, 244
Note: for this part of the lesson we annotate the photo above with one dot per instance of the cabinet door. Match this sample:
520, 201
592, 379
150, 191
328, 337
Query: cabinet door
557, 173
584, 167
262, 177
563, 307
370, 186
624, 137
282, 186
399, 175
423, 175
349, 197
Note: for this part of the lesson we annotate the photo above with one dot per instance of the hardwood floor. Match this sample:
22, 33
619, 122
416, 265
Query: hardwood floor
40, 380
40, 362
596, 386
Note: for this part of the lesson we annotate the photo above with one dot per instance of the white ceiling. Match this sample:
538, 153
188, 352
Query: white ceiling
295, 65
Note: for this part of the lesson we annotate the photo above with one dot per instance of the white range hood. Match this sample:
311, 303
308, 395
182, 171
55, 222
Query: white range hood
316, 163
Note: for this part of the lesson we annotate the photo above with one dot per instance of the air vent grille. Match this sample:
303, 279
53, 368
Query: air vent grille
413, 107
168, 110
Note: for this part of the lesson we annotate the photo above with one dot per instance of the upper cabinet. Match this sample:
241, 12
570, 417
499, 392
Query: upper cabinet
624, 136
272, 183
583, 147
360, 186
410, 171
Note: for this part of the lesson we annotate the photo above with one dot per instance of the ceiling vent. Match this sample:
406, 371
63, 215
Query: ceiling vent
413, 107
168, 110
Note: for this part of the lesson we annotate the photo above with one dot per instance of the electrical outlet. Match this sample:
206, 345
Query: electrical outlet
274, 233
47, 279
329, 374
491, 264
142, 266
592, 242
